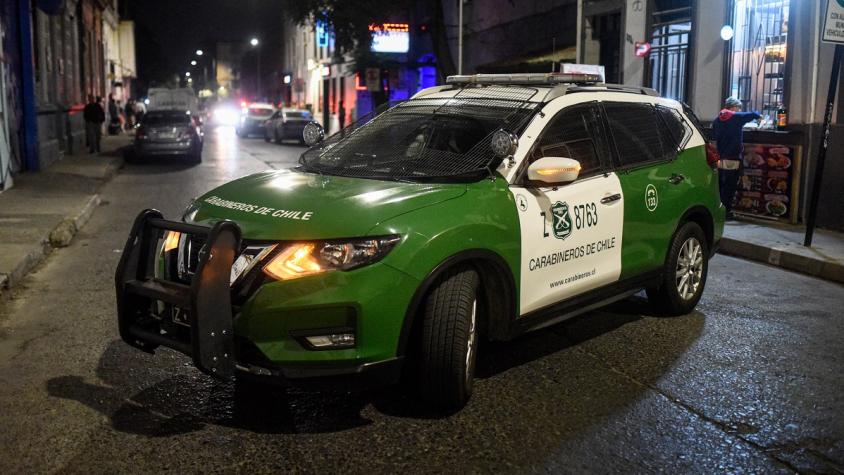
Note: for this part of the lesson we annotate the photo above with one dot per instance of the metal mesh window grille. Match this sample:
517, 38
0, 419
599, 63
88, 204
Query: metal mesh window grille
571, 134
637, 133
426, 139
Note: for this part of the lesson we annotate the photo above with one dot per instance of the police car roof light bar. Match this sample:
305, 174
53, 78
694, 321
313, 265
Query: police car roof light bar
525, 79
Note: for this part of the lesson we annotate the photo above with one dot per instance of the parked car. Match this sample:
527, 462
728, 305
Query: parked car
287, 124
252, 119
168, 132
478, 210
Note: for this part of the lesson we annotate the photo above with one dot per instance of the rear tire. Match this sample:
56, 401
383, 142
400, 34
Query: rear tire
449, 339
684, 272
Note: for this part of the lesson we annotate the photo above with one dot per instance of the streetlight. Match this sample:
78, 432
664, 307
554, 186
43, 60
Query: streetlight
256, 44
199, 52
187, 74
193, 62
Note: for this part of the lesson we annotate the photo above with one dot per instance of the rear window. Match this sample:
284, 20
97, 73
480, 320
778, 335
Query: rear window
676, 127
298, 114
166, 118
261, 112
638, 133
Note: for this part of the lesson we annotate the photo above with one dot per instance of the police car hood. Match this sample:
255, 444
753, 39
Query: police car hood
289, 205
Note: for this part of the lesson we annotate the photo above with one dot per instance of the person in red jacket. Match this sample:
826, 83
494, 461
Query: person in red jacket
727, 131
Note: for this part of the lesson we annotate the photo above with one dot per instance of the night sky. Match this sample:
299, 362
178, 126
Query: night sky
168, 32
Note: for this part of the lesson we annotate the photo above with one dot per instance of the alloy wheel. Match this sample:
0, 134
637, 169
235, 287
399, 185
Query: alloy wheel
689, 270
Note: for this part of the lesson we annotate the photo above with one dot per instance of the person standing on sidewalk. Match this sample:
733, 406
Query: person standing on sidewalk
728, 133
114, 122
94, 117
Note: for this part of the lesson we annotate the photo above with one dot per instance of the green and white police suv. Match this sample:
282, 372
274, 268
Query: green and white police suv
477, 210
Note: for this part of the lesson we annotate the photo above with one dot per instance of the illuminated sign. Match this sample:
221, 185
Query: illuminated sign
390, 37
322, 34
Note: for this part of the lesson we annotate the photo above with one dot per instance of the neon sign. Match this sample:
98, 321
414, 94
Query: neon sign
390, 37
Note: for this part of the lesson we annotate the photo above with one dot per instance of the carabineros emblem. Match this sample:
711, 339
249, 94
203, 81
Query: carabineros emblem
562, 220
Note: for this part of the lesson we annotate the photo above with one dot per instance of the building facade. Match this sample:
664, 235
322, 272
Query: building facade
400, 61
527, 36
55, 53
766, 53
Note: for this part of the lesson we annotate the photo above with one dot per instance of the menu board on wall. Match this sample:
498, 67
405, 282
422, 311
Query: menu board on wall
765, 188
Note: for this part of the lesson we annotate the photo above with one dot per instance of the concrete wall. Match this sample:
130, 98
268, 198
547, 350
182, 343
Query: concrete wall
505, 29
707, 61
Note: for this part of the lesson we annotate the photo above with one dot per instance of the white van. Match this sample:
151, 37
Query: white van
161, 98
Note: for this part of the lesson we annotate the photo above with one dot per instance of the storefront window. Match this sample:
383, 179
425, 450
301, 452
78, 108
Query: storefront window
757, 67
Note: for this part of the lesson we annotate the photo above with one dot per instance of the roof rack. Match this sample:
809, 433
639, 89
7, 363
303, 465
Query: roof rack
525, 79
564, 89
616, 88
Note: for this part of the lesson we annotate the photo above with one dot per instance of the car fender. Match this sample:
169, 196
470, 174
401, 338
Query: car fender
482, 228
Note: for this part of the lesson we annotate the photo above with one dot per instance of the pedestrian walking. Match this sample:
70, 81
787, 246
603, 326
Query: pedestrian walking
129, 112
341, 115
728, 133
94, 117
114, 125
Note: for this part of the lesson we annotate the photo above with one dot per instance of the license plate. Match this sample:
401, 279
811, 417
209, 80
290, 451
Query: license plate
180, 316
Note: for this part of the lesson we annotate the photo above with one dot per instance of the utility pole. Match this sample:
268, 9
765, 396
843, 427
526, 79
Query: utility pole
257, 45
459, 36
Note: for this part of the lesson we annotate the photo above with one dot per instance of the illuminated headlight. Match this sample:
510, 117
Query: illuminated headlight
307, 258
247, 260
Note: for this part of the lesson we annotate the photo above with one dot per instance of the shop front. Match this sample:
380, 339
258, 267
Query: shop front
767, 54
757, 67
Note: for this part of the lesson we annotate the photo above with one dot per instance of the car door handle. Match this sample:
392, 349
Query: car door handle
676, 179
609, 199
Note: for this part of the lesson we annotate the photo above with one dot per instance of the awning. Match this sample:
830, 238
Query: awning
536, 63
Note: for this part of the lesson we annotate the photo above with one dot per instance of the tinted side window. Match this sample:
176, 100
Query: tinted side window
570, 134
637, 132
676, 130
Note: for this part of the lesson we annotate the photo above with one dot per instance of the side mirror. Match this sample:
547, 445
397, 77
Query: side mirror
554, 170
313, 133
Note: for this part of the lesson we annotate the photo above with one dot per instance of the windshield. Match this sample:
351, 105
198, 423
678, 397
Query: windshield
444, 139
261, 112
154, 119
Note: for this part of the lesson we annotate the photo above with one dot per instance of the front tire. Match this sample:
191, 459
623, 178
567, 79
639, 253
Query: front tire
449, 339
684, 273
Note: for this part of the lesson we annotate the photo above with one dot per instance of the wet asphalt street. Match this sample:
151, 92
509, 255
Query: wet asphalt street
750, 382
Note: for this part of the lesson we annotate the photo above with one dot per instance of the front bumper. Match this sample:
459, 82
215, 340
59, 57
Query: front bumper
258, 334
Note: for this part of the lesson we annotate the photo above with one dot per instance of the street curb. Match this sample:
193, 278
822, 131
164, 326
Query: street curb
61, 235
784, 259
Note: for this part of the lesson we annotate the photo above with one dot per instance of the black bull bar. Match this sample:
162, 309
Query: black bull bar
207, 299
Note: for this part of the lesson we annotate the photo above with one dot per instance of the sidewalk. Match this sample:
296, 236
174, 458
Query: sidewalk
44, 210
781, 245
